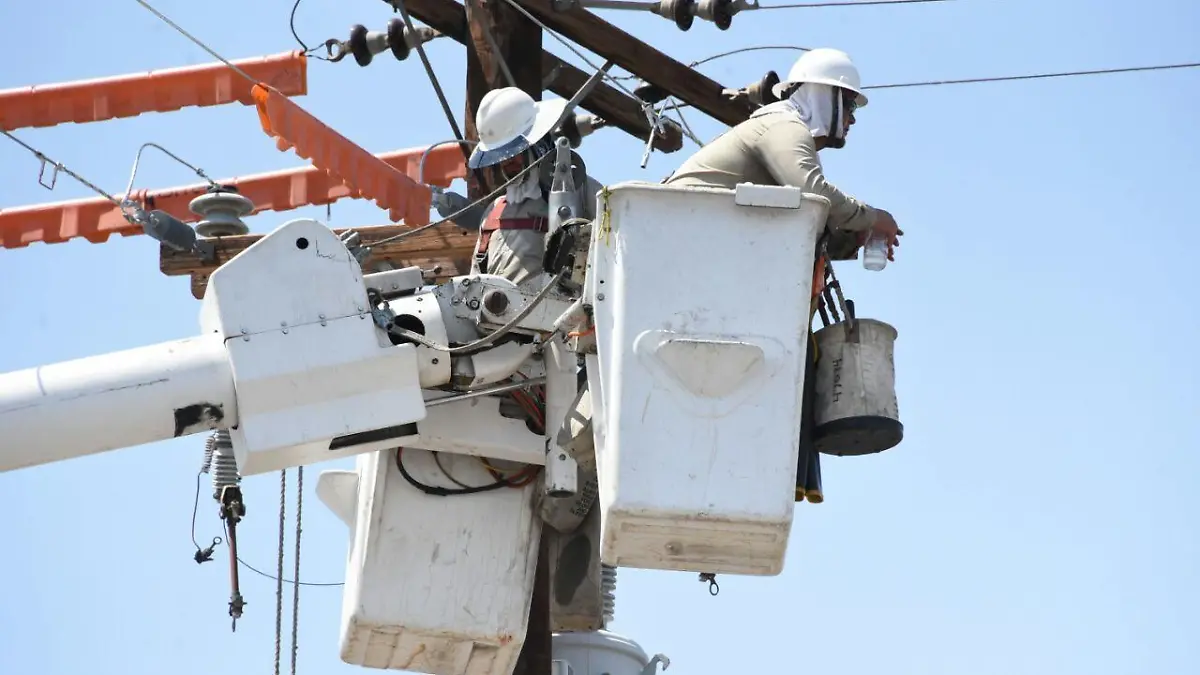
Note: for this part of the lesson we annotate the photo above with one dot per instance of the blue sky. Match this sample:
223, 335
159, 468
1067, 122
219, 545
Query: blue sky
1039, 516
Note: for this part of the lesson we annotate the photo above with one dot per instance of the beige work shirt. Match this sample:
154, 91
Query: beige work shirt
517, 255
774, 149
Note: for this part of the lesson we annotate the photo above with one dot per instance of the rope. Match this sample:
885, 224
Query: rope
296, 567
279, 570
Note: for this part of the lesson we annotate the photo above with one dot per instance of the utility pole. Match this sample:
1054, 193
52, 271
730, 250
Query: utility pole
500, 38
504, 43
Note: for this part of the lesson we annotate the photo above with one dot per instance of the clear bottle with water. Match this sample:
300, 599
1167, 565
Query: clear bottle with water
875, 252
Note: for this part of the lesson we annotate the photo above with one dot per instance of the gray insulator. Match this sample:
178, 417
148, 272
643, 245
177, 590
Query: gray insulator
221, 213
608, 589
208, 453
224, 465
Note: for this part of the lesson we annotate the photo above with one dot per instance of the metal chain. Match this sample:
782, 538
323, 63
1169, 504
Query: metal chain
279, 570
296, 567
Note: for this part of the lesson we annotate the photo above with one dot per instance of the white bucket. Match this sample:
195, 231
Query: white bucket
856, 411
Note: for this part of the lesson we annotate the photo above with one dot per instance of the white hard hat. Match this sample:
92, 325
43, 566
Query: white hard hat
824, 66
509, 121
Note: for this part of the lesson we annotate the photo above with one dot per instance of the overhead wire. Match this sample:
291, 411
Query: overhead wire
1037, 76
398, 5
1016, 78
814, 5
200, 44
58, 166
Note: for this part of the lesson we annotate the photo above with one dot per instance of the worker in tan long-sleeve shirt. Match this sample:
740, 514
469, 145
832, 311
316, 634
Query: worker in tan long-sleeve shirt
778, 145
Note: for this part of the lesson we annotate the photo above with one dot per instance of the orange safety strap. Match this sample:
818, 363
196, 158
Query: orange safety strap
363, 173
97, 219
165, 90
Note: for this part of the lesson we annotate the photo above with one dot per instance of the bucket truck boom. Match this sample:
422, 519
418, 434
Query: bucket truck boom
694, 379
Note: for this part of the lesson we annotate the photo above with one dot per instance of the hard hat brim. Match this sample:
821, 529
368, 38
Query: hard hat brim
860, 98
547, 117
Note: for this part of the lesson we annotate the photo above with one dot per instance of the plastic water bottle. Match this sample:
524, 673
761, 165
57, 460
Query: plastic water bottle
875, 252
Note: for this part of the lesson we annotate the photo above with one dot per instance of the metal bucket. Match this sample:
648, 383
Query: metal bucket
856, 411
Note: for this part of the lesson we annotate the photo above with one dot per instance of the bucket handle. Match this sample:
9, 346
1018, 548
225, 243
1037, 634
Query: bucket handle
826, 301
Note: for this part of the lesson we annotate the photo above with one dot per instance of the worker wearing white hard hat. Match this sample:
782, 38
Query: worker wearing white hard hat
778, 145
515, 132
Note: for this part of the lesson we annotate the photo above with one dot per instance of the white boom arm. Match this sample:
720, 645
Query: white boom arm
297, 357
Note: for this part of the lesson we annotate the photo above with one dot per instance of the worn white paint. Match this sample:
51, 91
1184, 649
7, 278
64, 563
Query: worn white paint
118, 400
702, 368
309, 363
437, 585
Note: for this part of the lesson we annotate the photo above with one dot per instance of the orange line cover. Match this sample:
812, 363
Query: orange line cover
365, 174
96, 219
153, 91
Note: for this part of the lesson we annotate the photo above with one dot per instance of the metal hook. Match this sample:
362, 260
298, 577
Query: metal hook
713, 588
341, 52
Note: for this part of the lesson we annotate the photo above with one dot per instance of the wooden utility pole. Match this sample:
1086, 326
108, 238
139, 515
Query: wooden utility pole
503, 42
517, 45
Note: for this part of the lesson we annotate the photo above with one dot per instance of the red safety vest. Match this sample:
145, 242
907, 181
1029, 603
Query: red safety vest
495, 221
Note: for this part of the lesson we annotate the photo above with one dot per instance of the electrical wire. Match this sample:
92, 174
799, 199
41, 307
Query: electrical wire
1038, 76
60, 167
742, 50
438, 491
138, 159
200, 44
490, 337
218, 541
813, 5
567, 43
1016, 78
486, 198
308, 51
437, 87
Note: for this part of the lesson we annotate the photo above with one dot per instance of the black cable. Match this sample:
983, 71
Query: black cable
218, 541
272, 577
437, 459
441, 491
308, 51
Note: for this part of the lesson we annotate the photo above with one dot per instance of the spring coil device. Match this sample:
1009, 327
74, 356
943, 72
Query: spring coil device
608, 591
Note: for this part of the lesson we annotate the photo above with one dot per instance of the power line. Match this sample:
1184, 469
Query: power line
59, 167
200, 44
1039, 76
1015, 78
813, 5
